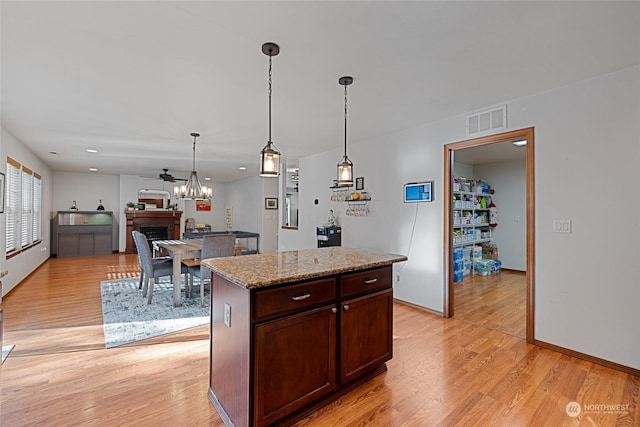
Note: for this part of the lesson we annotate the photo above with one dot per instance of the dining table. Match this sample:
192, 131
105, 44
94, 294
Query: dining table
178, 250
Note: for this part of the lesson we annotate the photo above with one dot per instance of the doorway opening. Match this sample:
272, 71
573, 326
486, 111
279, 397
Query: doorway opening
527, 135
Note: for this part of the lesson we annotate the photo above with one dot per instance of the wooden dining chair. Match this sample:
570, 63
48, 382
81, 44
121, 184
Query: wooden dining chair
213, 246
152, 270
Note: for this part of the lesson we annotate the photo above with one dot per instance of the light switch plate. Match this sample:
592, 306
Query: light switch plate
562, 226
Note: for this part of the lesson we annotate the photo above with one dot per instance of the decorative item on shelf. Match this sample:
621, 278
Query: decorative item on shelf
345, 167
193, 189
270, 156
100, 207
73, 206
331, 221
357, 210
131, 206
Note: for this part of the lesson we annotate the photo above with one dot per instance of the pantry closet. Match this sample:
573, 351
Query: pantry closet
491, 175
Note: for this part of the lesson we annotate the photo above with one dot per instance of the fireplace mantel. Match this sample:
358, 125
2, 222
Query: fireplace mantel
147, 218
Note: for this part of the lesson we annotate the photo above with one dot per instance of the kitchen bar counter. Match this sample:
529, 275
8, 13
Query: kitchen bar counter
264, 270
293, 331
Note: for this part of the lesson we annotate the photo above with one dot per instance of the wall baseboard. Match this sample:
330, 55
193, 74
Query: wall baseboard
606, 363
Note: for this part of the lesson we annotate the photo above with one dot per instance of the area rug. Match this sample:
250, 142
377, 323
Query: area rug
127, 317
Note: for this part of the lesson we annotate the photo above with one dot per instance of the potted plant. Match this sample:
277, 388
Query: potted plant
130, 206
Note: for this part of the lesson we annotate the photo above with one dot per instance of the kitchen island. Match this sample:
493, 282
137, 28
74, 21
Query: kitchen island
292, 331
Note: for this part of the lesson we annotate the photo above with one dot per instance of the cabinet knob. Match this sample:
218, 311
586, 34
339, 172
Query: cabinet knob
346, 307
334, 310
301, 297
370, 281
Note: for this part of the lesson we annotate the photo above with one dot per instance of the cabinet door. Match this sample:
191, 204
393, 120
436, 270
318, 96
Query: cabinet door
85, 244
67, 245
294, 363
366, 334
103, 244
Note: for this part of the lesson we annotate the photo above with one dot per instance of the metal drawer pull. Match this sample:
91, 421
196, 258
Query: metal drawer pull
301, 297
370, 281
346, 306
334, 310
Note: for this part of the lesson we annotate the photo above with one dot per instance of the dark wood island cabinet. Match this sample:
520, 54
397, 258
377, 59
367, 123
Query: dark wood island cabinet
292, 331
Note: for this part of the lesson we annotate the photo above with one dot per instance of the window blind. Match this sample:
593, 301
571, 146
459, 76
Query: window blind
27, 207
37, 207
23, 205
12, 204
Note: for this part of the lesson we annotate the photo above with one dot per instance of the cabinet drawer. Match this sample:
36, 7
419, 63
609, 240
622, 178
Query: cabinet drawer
288, 299
365, 281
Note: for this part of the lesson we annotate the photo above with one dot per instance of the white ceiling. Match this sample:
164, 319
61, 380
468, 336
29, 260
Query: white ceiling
133, 79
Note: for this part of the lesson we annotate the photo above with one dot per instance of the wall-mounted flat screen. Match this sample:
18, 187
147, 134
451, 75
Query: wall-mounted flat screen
418, 192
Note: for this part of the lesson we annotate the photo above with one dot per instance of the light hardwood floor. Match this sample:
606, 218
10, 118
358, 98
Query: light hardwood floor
496, 301
445, 372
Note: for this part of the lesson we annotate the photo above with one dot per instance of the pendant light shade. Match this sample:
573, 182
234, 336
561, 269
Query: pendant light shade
193, 189
270, 156
345, 167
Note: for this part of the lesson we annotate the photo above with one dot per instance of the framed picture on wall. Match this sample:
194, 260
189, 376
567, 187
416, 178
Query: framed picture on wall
1, 192
203, 205
271, 203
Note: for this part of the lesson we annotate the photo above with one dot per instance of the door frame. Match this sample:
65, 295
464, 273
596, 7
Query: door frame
449, 149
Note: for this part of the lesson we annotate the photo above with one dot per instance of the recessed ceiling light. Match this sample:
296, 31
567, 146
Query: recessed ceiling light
520, 143
93, 170
206, 178
243, 168
91, 150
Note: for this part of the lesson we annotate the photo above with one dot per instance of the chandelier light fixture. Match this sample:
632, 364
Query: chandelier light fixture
270, 156
193, 189
345, 167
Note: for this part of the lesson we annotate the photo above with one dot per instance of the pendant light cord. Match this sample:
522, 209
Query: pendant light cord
345, 121
269, 96
194, 153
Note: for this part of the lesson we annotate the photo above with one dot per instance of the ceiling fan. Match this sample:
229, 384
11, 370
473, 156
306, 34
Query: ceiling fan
167, 177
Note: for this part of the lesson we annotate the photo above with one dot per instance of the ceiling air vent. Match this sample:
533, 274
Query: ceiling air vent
487, 120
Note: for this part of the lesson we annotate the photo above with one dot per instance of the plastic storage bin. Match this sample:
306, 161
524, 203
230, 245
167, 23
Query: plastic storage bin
484, 266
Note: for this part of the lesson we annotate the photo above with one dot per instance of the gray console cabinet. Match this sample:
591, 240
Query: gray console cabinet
83, 233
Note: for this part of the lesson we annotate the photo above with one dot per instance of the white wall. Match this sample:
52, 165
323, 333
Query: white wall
462, 170
87, 189
509, 179
246, 198
270, 217
21, 265
586, 151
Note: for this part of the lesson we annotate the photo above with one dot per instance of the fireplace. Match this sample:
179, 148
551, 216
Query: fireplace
155, 232
156, 225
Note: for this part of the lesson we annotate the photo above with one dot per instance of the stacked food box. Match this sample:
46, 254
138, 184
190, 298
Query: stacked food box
458, 265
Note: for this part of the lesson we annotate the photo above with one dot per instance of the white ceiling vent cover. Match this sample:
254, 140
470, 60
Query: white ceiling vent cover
491, 119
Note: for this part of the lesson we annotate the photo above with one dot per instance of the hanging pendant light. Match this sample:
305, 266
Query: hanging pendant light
270, 156
193, 188
345, 167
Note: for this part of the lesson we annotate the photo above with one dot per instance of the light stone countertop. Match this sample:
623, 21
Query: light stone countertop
264, 270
